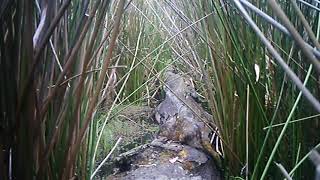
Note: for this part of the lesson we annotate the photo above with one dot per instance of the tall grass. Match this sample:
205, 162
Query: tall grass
48, 56
227, 56
60, 61
242, 52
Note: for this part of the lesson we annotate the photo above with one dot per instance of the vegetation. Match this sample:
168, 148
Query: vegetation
68, 69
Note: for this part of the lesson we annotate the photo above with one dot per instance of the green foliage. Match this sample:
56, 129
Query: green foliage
51, 88
133, 131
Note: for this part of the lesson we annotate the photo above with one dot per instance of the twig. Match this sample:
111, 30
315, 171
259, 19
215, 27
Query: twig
131, 152
106, 158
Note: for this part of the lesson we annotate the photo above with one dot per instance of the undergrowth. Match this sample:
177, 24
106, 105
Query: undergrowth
68, 67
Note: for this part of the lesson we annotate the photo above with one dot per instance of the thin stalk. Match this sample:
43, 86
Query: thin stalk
272, 119
295, 35
303, 159
309, 5
276, 24
36, 60
69, 62
315, 103
285, 126
106, 158
283, 171
168, 40
120, 92
94, 99
247, 133
293, 121
298, 156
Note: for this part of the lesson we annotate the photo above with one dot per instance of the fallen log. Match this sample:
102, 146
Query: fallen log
188, 145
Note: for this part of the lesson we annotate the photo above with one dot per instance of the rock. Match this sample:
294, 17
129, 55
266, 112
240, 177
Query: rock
154, 163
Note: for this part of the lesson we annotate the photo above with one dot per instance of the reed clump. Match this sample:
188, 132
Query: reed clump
68, 67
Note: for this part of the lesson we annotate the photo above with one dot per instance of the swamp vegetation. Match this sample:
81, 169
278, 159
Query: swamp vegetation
79, 80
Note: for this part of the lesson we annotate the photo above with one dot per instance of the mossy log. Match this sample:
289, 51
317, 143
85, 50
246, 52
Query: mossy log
183, 148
